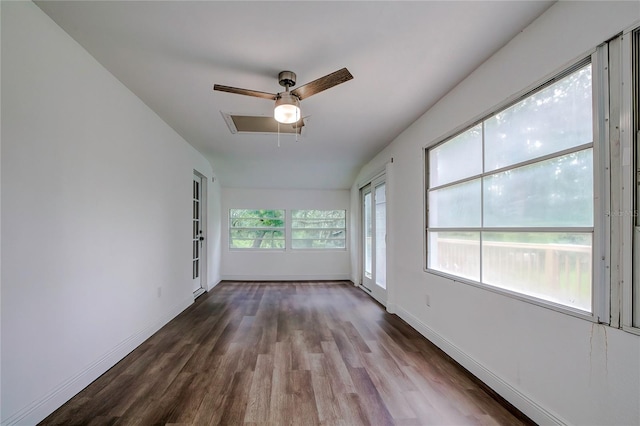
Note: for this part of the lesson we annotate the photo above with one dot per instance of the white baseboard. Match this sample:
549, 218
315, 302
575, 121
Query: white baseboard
41, 408
519, 400
328, 277
392, 308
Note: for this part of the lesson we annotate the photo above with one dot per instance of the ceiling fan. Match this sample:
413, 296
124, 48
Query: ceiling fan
287, 108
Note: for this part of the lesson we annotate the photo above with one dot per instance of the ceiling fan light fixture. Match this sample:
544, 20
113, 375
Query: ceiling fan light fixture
287, 109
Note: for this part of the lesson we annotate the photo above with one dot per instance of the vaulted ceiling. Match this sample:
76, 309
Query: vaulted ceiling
404, 56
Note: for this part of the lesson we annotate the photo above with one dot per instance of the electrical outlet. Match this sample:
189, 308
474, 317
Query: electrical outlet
159, 291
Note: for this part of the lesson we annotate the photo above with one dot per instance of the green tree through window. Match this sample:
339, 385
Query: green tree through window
256, 229
318, 229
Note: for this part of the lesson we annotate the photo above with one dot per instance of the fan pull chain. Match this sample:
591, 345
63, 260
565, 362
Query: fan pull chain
278, 134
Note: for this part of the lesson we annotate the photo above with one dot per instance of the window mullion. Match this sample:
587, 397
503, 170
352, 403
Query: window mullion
288, 230
630, 127
605, 298
480, 236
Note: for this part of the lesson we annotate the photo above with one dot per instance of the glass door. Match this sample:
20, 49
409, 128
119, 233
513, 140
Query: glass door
374, 244
198, 237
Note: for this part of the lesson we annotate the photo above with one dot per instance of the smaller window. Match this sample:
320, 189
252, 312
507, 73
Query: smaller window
318, 229
256, 229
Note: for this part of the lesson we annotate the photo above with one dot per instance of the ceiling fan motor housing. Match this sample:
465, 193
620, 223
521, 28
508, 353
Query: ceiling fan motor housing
287, 78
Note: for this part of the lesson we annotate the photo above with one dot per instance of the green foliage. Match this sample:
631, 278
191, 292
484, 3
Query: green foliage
320, 229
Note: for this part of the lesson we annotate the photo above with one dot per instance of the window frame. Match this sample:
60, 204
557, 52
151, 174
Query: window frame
291, 229
600, 249
628, 217
287, 230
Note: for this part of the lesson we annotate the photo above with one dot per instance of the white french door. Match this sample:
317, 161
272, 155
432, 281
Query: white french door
198, 237
374, 243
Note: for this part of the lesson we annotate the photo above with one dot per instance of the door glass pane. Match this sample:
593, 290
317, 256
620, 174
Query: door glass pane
381, 236
555, 118
196, 230
553, 193
553, 266
368, 227
457, 253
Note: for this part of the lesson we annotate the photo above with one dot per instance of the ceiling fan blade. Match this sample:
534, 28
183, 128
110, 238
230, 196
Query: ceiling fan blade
247, 92
323, 83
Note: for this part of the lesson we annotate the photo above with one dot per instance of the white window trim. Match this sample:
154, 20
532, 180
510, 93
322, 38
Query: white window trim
601, 284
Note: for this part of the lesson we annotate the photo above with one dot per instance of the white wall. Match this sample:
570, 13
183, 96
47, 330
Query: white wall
96, 217
554, 367
216, 231
289, 264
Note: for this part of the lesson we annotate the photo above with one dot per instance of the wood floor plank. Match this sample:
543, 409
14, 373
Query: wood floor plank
377, 412
426, 412
350, 355
302, 405
286, 353
210, 410
445, 408
355, 337
236, 404
279, 398
390, 386
341, 382
299, 351
260, 391
352, 412
326, 403
102, 421
169, 407
221, 379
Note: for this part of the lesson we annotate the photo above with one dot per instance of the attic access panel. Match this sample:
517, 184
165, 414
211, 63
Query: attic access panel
260, 124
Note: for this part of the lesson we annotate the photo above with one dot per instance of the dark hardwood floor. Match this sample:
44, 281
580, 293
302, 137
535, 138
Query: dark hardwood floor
317, 353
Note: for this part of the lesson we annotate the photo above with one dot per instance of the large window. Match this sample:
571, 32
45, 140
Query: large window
287, 229
318, 229
256, 229
510, 200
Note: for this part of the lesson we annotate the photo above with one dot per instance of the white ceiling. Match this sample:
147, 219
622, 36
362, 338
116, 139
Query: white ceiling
404, 56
